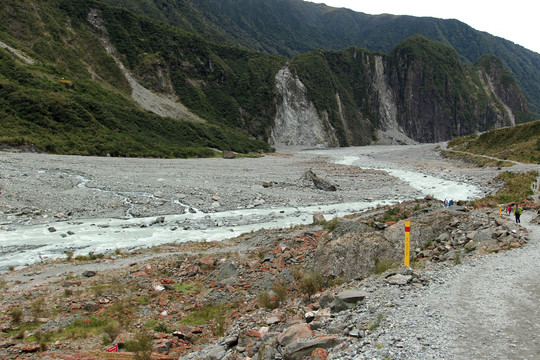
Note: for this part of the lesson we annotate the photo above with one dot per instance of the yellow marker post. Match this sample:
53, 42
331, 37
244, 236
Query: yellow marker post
407, 241
500, 210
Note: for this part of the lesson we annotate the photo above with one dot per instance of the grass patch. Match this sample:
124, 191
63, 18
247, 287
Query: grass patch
395, 214
141, 346
518, 143
309, 283
330, 225
274, 299
185, 288
517, 187
382, 265
209, 314
83, 328
375, 324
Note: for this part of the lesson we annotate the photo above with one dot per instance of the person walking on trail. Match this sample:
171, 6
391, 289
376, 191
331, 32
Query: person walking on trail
509, 209
517, 213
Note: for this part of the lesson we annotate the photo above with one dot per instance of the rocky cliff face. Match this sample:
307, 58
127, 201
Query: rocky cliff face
296, 122
420, 92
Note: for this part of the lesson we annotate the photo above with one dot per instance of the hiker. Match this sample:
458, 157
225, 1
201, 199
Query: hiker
509, 209
517, 213
445, 203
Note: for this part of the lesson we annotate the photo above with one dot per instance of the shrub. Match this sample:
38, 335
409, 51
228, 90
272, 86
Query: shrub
141, 346
280, 289
331, 225
310, 283
112, 330
16, 314
266, 301
37, 307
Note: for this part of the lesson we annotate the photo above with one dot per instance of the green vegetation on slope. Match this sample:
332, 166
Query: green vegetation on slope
223, 85
519, 143
291, 27
327, 73
76, 100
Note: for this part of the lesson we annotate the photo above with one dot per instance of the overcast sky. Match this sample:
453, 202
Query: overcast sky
514, 20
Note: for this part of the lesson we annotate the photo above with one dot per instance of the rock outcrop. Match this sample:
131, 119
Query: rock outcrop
297, 122
420, 92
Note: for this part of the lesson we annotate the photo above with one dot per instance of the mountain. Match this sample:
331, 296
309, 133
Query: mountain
94, 79
65, 89
420, 92
291, 27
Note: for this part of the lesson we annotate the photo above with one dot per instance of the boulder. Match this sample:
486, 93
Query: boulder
294, 333
89, 273
227, 154
352, 296
319, 183
304, 348
318, 218
399, 279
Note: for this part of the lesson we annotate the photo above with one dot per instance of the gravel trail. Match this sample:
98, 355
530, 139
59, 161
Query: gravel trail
485, 308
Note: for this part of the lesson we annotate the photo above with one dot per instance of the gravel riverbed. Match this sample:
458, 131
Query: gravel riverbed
484, 308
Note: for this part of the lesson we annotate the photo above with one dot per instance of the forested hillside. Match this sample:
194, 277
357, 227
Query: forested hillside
290, 27
83, 78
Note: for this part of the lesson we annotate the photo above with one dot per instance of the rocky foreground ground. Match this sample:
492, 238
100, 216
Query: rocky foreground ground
333, 289
327, 290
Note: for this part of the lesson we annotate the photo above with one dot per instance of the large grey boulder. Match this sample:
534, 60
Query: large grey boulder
302, 348
319, 183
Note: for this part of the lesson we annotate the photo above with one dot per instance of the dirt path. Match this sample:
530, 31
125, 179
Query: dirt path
497, 313
485, 308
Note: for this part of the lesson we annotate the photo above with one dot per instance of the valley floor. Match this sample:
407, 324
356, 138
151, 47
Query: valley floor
483, 308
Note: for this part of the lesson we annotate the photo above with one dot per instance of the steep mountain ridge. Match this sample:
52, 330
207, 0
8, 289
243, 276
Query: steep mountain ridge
78, 96
291, 27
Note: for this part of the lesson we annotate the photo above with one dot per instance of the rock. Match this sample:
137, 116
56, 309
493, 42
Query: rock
326, 299
398, 279
158, 287
229, 341
162, 346
91, 306
52, 229
268, 349
407, 270
303, 348
29, 348
124, 337
339, 305
318, 218
89, 273
471, 245
310, 316
207, 262
355, 332
319, 183
227, 154
294, 333
482, 236
319, 354
258, 202
352, 296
